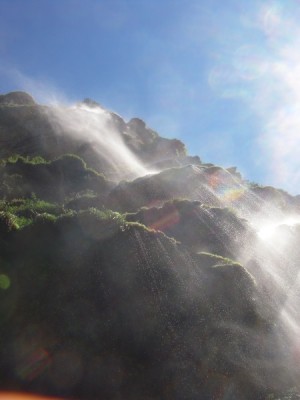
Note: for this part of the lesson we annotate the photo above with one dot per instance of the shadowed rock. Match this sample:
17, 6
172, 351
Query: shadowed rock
16, 98
113, 309
202, 228
96, 304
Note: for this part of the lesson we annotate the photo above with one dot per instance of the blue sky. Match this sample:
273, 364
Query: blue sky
222, 76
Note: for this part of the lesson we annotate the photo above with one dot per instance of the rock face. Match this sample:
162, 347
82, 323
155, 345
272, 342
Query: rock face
114, 315
34, 131
196, 182
16, 99
67, 174
122, 289
199, 227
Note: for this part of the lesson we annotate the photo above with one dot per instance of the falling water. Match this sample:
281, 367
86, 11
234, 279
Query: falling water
272, 255
94, 125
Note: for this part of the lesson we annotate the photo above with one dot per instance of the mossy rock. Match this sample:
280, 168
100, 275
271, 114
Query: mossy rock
201, 228
68, 175
7, 223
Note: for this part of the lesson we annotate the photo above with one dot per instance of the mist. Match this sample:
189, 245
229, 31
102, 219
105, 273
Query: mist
130, 269
94, 126
186, 266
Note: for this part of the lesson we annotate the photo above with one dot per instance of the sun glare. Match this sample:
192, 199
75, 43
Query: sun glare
270, 230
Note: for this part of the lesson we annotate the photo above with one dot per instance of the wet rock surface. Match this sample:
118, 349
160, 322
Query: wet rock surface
178, 281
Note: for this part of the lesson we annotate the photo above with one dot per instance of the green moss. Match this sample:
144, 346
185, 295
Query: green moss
20, 176
138, 225
34, 205
8, 222
72, 159
25, 159
209, 260
46, 217
23, 221
216, 258
103, 215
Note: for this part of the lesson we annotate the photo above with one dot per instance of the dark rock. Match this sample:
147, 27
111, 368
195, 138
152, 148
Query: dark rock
193, 182
137, 124
202, 228
97, 304
17, 98
67, 174
91, 103
114, 308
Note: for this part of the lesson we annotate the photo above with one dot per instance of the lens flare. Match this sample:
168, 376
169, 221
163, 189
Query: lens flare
4, 282
23, 396
166, 221
250, 62
271, 20
34, 363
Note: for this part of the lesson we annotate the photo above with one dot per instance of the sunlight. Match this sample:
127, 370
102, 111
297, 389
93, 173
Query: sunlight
262, 69
270, 230
141, 266
277, 99
267, 231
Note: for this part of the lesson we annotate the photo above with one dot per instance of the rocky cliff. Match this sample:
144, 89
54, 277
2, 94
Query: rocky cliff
130, 270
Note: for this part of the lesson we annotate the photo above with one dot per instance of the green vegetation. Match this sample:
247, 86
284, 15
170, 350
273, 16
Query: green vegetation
211, 260
8, 223
23, 176
24, 211
24, 159
129, 290
200, 227
4, 282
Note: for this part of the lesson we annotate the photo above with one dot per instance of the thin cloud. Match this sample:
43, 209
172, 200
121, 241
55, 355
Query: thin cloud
263, 70
280, 99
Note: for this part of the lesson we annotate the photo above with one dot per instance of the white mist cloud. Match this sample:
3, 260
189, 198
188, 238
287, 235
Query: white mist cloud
41, 89
94, 126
